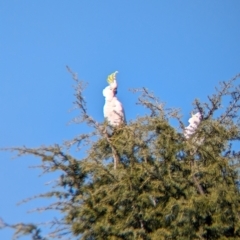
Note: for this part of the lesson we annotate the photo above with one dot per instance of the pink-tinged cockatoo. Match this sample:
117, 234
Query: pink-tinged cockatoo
194, 121
113, 110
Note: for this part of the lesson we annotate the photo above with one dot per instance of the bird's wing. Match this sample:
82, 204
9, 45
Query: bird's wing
118, 106
119, 110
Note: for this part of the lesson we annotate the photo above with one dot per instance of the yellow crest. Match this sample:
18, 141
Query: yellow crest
112, 77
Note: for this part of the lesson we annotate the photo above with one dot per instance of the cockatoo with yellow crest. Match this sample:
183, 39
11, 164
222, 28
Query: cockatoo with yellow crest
194, 121
113, 110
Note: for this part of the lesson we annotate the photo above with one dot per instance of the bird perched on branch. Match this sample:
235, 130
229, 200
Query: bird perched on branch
113, 110
194, 121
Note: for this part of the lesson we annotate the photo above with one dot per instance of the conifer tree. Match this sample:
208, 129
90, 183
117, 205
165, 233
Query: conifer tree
145, 180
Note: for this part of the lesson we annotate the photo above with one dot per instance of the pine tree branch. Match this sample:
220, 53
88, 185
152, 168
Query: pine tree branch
116, 158
81, 103
196, 183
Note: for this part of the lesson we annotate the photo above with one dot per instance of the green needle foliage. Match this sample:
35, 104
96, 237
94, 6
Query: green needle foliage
144, 180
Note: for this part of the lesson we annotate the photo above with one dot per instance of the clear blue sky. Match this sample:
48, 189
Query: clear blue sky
178, 49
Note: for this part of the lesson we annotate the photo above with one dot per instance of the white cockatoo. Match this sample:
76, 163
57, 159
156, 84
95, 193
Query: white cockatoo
113, 110
194, 121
